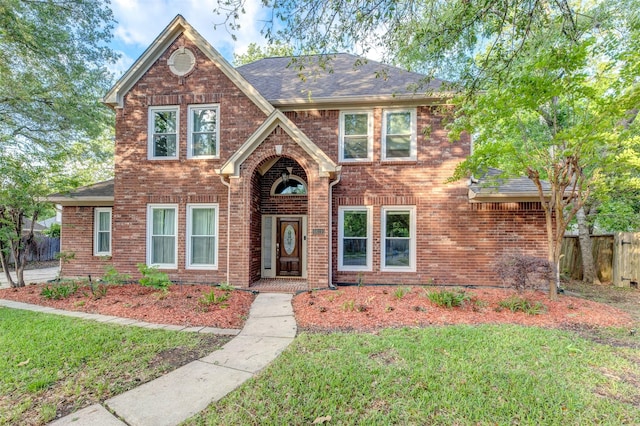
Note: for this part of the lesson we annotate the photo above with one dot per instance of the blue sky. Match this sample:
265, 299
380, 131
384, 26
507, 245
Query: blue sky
140, 22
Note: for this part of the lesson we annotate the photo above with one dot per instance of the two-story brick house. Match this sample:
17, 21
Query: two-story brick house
252, 174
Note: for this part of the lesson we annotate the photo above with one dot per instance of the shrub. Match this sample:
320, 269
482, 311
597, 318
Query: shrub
520, 304
448, 299
523, 272
59, 291
112, 276
211, 298
153, 278
400, 292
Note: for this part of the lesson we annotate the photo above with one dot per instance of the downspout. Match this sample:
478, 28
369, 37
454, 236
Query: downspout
228, 185
331, 185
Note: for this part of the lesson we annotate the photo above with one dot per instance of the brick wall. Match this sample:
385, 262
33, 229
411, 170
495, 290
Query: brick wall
456, 241
77, 238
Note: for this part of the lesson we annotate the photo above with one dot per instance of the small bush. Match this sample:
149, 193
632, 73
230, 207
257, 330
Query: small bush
400, 292
211, 298
59, 291
520, 304
523, 272
98, 290
448, 299
112, 276
349, 306
153, 278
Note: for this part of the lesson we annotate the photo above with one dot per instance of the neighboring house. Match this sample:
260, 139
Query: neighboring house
249, 174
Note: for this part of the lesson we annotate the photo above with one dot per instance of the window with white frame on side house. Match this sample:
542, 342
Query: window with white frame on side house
354, 240
399, 138
164, 128
202, 236
204, 128
162, 242
398, 231
102, 231
356, 136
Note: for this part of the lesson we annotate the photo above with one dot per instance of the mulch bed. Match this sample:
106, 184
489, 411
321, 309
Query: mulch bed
366, 308
181, 306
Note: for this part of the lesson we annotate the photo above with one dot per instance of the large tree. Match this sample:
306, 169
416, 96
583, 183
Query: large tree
53, 56
548, 88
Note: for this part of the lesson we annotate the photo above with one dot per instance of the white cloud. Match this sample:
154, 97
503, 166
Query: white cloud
140, 22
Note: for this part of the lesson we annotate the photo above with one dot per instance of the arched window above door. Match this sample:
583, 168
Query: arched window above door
289, 185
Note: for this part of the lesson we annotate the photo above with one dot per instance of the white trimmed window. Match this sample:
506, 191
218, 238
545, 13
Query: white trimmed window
202, 236
399, 137
204, 126
356, 136
162, 242
102, 231
398, 238
163, 132
354, 241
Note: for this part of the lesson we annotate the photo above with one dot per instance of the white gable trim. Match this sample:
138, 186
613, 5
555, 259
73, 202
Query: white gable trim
326, 166
115, 96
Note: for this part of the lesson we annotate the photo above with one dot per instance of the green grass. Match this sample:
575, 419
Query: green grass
461, 375
48, 361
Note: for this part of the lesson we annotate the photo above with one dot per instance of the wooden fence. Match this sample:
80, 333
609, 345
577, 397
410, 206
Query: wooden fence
617, 258
45, 248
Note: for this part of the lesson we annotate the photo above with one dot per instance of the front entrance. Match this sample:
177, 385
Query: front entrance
288, 247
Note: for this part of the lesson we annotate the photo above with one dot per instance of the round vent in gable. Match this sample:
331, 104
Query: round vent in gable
182, 61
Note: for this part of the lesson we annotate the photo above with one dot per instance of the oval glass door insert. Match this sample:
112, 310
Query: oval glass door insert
289, 239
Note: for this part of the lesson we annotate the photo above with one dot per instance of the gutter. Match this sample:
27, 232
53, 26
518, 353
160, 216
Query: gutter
228, 185
331, 185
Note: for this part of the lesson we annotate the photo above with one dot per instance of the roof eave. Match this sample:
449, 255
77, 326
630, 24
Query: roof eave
81, 201
504, 197
317, 102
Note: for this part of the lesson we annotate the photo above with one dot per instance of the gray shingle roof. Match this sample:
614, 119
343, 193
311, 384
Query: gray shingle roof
101, 191
278, 79
492, 184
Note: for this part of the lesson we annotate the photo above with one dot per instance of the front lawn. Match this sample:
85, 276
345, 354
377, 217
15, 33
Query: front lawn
464, 375
51, 365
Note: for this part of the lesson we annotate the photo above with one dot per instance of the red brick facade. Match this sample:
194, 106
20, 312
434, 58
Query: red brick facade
456, 241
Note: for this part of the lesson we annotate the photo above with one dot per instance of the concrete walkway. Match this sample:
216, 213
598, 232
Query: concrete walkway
31, 276
182, 393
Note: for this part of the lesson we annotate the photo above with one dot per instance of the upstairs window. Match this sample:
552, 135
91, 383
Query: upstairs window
203, 132
399, 135
163, 132
356, 136
102, 232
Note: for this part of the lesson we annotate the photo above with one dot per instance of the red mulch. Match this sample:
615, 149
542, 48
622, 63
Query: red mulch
349, 308
179, 307
367, 308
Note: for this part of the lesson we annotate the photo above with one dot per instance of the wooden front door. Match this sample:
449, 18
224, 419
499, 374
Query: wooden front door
289, 248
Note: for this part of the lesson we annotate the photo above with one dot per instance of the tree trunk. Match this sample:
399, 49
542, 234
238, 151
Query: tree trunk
553, 286
589, 275
4, 260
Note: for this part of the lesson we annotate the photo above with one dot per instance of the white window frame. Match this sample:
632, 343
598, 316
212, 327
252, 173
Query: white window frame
151, 128
341, 212
190, 208
412, 238
190, 130
96, 230
413, 149
150, 209
341, 144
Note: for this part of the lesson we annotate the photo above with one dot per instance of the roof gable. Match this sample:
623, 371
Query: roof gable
326, 166
178, 26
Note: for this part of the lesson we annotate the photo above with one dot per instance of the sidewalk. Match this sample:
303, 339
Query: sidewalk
182, 393
32, 276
